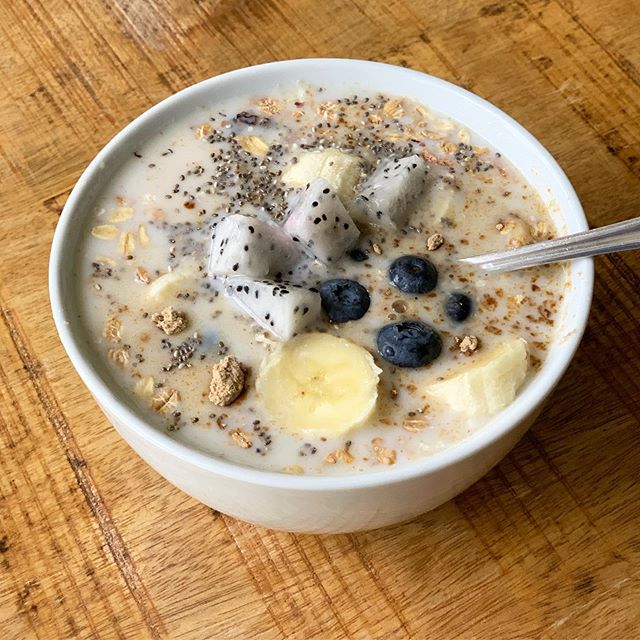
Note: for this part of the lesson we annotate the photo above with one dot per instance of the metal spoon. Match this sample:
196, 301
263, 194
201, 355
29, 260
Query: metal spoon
620, 236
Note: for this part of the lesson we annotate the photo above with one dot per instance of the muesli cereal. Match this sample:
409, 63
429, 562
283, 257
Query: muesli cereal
274, 280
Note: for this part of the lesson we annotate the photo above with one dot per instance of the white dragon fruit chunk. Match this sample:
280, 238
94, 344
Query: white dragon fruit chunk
319, 221
245, 245
388, 193
281, 308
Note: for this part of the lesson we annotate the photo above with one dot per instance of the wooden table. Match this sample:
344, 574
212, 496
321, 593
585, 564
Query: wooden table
94, 544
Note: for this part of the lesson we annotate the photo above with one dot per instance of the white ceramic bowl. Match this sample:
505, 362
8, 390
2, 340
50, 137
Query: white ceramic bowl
312, 503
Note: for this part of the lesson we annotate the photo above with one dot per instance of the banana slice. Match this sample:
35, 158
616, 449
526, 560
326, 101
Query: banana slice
440, 203
318, 383
486, 384
341, 170
165, 287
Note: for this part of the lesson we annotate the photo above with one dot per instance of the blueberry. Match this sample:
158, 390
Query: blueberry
409, 344
458, 307
344, 299
413, 274
358, 255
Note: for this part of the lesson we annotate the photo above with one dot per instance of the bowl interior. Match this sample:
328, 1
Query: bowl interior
346, 76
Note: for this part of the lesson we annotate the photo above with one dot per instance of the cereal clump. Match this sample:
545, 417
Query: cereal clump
170, 321
435, 241
468, 344
227, 381
381, 453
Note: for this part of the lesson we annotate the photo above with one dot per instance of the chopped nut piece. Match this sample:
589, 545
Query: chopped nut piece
344, 456
165, 401
293, 468
381, 453
170, 320
145, 386
120, 214
119, 356
203, 131
112, 329
517, 229
376, 248
489, 302
435, 241
328, 110
467, 344
253, 144
414, 425
269, 106
142, 234
227, 381
241, 438
433, 159
104, 231
516, 301
393, 109
341, 455
143, 275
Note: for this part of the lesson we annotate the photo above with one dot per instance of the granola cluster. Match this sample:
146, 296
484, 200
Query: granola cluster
170, 321
227, 381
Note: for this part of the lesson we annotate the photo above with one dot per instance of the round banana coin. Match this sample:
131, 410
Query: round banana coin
319, 383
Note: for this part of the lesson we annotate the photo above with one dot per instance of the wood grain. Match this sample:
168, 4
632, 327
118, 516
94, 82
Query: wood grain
93, 544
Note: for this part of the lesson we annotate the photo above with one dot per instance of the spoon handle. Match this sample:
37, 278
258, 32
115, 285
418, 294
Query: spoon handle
621, 236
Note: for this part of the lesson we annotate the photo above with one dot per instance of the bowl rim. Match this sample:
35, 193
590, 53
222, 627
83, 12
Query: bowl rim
507, 420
